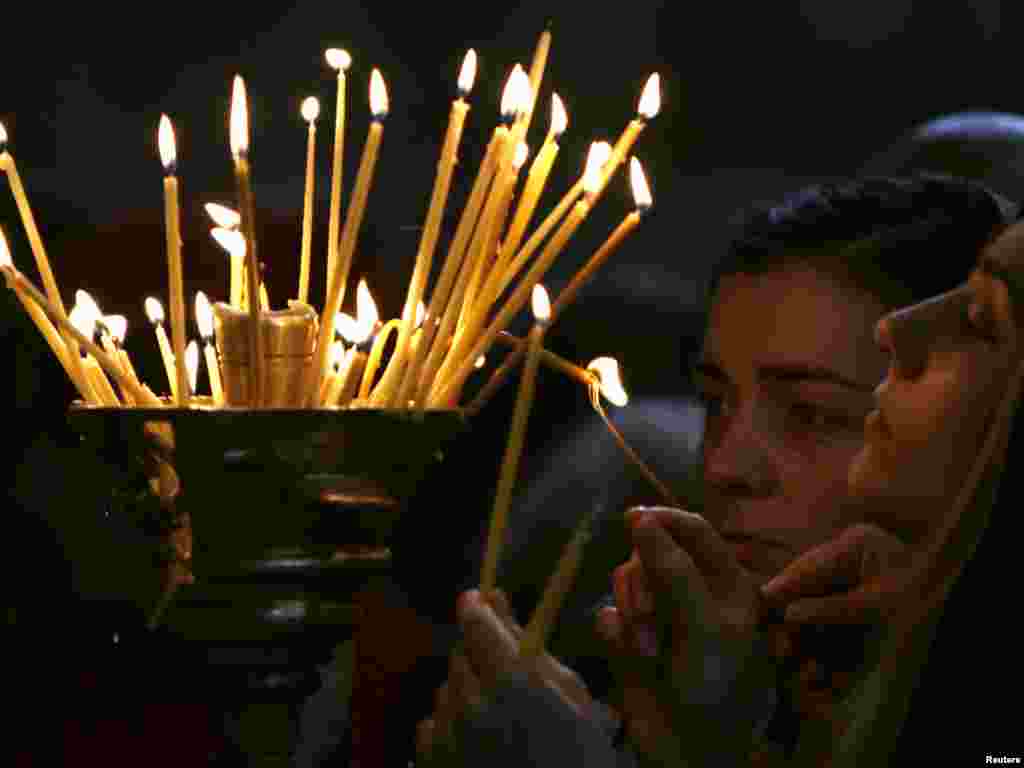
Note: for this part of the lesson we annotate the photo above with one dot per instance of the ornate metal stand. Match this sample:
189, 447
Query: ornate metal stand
284, 517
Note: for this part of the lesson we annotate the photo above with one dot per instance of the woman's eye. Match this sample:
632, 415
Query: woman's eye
808, 417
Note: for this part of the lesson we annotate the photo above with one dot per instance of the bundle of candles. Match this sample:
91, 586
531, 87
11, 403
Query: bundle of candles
257, 357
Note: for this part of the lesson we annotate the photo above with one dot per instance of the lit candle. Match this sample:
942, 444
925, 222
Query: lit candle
155, 313
42, 322
643, 200
19, 283
192, 365
358, 333
647, 109
175, 287
353, 221
222, 216
535, 183
84, 321
99, 328
340, 61
247, 209
447, 389
204, 319
608, 382
8, 166
332, 384
233, 242
516, 440
310, 112
391, 384
117, 325
350, 377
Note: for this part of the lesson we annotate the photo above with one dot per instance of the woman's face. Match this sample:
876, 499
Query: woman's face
949, 363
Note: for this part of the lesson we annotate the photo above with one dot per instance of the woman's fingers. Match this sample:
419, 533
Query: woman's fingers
491, 650
832, 566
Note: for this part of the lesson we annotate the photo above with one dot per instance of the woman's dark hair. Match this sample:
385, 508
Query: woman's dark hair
899, 240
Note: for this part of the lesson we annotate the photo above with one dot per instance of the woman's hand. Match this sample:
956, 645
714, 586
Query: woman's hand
688, 669
489, 655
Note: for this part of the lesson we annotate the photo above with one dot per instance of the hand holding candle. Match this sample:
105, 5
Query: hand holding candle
516, 440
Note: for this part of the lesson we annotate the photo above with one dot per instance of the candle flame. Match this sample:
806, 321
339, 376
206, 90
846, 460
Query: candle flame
540, 303
522, 152
165, 141
230, 240
310, 109
650, 98
117, 325
223, 216
338, 58
89, 305
517, 96
421, 312
3, 138
366, 309
83, 320
480, 362
192, 364
467, 74
641, 189
559, 117
239, 118
336, 355
350, 330
5, 251
597, 157
607, 371
154, 310
204, 316
378, 95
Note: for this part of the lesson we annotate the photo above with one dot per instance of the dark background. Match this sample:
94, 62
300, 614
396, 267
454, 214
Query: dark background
758, 98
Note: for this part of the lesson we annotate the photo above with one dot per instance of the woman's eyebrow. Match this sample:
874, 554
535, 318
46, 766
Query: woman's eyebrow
796, 373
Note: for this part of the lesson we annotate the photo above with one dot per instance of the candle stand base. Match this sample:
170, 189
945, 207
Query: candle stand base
284, 519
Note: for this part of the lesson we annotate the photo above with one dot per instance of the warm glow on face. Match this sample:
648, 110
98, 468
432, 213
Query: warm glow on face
204, 316
154, 310
650, 98
338, 58
517, 96
223, 216
82, 320
5, 252
522, 152
559, 117
366, 308
467, 74
607, 371
421, 312
378, 95
192, 364
165, 140
541, 303
638, 181
598, 155
336, 355
239, 118
310, 108
230, 240
117, 325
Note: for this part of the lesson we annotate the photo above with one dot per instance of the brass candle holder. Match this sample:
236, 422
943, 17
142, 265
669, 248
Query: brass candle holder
289, 337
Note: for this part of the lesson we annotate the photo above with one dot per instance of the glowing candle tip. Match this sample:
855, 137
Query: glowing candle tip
600, 152
641, 189
522, 152
517, 96
204, 316
3, 139
310, 109
606, 369
467, 74
239, 119
378, 96
117, 325
192, 364
559, 117
541, 304
650, 98
5, 251
154, 310
230, 240
168, 149
338, 58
